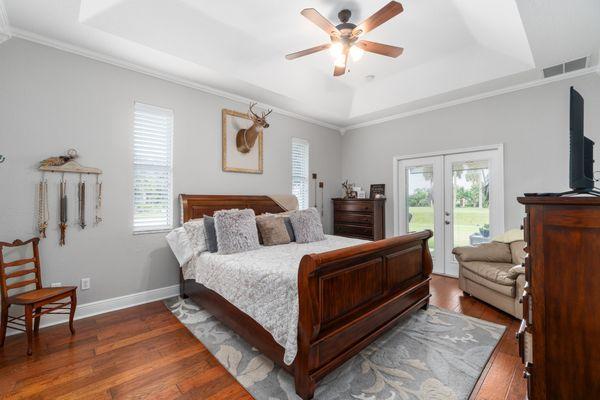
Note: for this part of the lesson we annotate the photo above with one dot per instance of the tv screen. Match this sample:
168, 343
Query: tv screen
581, 176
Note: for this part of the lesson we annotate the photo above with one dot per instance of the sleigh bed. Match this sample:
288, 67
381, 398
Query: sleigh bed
346, 297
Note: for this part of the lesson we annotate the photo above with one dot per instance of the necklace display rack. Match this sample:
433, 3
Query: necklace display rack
70, 167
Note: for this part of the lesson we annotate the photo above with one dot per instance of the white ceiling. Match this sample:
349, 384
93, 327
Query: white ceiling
453, 48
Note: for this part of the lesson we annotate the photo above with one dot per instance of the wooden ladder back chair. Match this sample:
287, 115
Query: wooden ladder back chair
36, 302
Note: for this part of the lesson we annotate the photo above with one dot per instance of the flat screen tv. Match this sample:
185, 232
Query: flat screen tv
581, 176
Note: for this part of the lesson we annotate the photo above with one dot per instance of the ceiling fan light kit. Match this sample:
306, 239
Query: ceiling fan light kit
345, 36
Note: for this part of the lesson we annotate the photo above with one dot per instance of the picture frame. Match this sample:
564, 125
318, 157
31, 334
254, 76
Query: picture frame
232, 159
377, 191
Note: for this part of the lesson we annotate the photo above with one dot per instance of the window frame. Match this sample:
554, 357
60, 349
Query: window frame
306, 143
168, 168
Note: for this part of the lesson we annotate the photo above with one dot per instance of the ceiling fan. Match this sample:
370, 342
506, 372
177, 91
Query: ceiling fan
345, 36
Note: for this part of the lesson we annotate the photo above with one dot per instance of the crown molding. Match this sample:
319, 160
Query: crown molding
46, 41
5, 33
43, 40
470, 99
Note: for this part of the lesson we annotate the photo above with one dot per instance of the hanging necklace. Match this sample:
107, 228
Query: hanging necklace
63, 211
43, 212
81, 199
98, 218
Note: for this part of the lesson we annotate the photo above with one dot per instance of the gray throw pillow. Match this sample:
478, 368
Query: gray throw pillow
290, 229
307, 225
236, 231
211, 234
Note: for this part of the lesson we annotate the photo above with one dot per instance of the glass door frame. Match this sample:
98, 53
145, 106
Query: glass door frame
447, 264
437, 164
496, 206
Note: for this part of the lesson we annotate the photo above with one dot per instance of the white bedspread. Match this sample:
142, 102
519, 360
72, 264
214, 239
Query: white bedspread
263, 283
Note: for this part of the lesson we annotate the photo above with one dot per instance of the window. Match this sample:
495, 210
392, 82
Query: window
300, 171
152, 169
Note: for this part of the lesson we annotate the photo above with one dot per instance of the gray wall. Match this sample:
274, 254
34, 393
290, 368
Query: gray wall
51, 101
533, 125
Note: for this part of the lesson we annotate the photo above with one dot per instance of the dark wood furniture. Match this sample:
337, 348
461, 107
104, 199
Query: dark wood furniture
559, 336
347, 297
359, 218
36, 302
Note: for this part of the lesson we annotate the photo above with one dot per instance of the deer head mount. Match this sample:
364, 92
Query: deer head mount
246, 138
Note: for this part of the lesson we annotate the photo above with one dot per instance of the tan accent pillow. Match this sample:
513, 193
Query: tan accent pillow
272, 230
509, 236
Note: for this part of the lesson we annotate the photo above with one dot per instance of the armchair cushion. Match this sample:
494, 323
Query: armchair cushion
504, 290
489, 252
494, 272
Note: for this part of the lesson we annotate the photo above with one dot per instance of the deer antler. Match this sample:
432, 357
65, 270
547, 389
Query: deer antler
252, 111
265, 115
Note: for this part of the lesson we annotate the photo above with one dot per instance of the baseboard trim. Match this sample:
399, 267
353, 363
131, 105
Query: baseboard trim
108, 305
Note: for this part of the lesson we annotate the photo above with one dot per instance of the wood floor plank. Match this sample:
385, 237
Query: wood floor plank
497, 380
145, 352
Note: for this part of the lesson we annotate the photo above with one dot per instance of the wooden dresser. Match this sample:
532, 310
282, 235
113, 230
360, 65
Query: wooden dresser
359, 218
559, 339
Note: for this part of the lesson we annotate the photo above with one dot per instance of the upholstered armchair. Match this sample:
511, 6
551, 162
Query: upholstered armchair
492, 272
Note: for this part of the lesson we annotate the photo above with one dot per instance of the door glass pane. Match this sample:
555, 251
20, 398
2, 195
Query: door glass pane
471, 194
419, 200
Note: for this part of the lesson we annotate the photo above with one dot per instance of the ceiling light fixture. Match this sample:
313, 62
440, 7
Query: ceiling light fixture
336, 49
340, 61
356, 53
346, 37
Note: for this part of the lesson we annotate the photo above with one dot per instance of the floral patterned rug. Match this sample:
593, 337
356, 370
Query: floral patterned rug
434, 354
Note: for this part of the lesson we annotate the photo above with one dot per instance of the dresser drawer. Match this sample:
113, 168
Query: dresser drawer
358, 206
354, 230
346, 217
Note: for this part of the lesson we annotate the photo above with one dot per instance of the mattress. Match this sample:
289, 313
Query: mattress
263, 283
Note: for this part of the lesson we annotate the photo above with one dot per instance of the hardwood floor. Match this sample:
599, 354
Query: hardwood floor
144, 352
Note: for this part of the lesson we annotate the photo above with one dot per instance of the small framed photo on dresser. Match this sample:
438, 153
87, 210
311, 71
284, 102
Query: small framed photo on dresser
377, 191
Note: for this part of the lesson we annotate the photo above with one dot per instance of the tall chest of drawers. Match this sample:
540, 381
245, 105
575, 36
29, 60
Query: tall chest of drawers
559, 339
359, 218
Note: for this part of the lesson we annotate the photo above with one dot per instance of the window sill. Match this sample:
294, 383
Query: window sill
153, 231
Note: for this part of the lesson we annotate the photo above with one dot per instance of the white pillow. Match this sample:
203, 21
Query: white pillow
180, 245
197, 234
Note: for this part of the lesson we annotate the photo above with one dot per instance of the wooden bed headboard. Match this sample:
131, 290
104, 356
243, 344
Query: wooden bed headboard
197, 205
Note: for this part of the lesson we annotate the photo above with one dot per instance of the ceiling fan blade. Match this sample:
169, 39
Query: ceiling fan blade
380, 48
319, 20
341, 70
388, 11
306, 52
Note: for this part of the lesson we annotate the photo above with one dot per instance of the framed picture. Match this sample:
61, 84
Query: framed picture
377, 191
234, 160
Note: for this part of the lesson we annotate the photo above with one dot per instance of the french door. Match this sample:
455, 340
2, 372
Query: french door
457, 195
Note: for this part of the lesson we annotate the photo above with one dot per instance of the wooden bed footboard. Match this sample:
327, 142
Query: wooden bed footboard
349, 297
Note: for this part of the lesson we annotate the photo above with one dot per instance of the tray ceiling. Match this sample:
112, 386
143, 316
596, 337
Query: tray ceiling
452, 48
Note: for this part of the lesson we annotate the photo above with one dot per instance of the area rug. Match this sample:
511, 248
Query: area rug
434, 354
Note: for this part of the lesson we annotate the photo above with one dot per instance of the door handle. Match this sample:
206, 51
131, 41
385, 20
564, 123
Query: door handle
447, 222
447, 213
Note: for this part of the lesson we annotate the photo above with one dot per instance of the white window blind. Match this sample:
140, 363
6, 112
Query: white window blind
152, 168
300, 171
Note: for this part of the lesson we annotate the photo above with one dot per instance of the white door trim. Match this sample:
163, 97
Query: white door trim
396, 165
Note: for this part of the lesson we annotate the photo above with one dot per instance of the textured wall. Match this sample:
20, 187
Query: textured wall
51, 101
